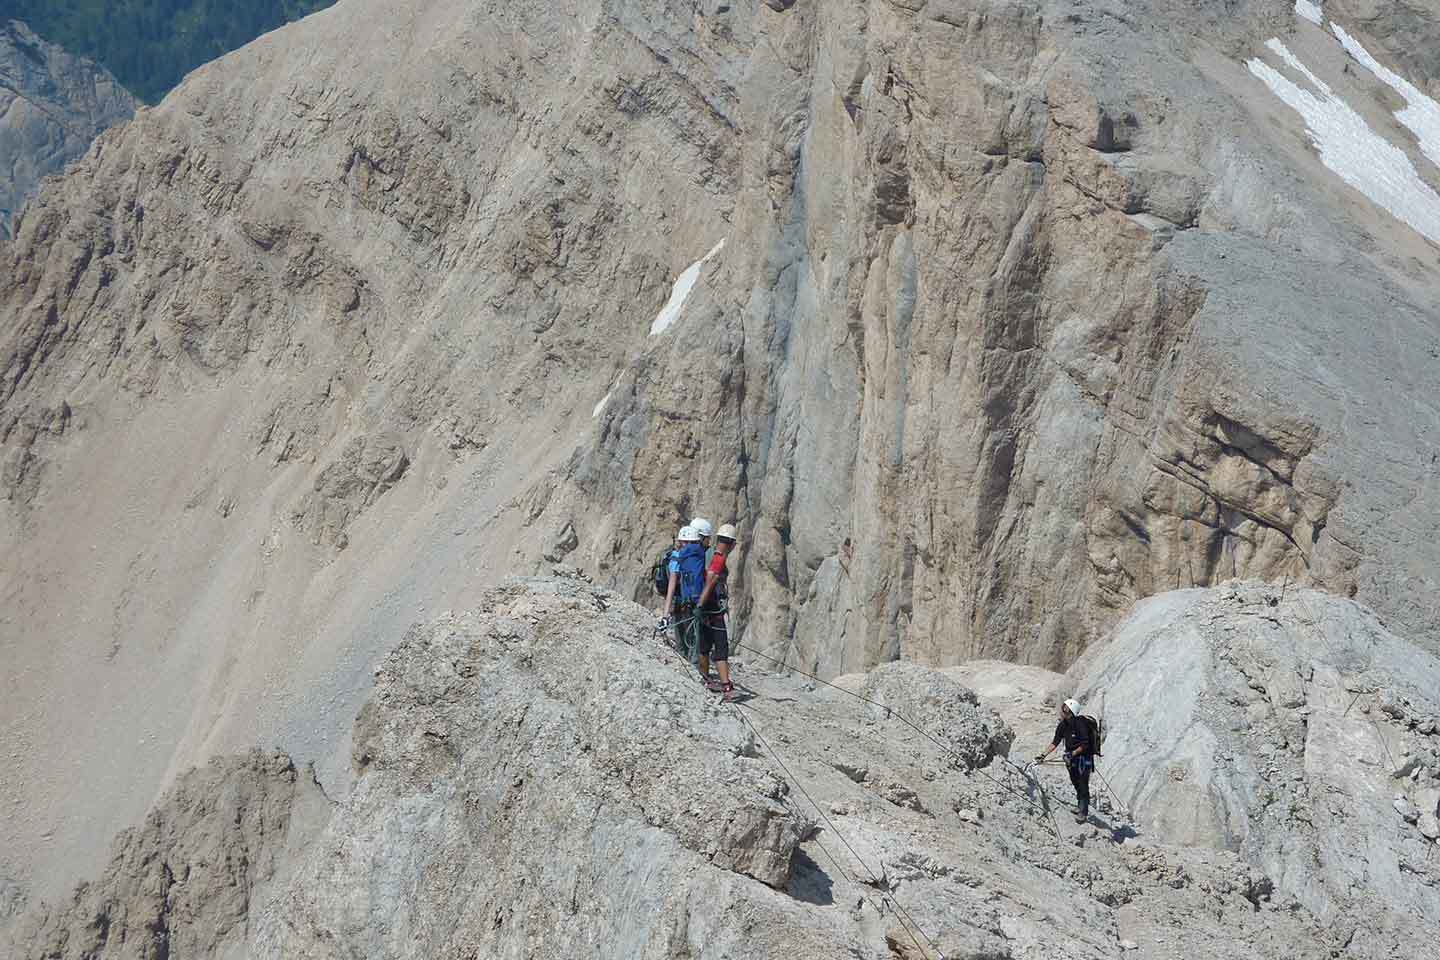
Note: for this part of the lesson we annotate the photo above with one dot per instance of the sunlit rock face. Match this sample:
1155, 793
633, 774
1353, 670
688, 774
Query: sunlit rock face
1290, 726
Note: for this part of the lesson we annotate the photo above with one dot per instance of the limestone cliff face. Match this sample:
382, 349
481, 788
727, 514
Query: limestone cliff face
1023, 310
52, 105
1033, 309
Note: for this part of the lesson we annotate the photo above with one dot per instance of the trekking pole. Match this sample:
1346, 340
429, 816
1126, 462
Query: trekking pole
1035, 784
1129, 815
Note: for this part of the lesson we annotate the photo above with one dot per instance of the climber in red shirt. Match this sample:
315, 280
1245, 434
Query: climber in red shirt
714, 637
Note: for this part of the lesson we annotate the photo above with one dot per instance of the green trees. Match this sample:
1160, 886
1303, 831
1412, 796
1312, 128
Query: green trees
149, 45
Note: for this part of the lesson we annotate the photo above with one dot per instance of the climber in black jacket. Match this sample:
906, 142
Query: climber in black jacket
1079, 740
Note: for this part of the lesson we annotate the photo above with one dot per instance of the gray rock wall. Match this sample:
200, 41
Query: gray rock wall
52, 106
1039, 310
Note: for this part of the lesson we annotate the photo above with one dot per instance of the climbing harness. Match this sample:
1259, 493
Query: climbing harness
1026, 772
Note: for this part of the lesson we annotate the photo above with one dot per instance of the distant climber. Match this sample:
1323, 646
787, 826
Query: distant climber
666, 574
714, 635
682, 600
663, 574
1079, 739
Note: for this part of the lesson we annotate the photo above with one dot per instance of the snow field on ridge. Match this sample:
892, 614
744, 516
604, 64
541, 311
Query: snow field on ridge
1357, 154
1310, 11
1421, 114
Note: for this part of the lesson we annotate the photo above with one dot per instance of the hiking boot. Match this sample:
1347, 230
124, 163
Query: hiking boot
1082, 816
728, 690
712, 684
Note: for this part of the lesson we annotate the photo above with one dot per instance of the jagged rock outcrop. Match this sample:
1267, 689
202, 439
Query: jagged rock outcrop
52, 106
542, 757
363, 470
940, 706
543, 776
1024, 310
1295, 729
186, 882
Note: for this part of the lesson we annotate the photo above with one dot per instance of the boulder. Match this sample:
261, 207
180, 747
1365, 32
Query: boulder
1284, 686
1392, 704
1405, 809
1306, 794
1405, 766
942, 707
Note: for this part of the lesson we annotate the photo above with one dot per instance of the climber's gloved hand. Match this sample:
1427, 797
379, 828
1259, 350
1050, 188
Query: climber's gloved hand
663, 624
1039, 758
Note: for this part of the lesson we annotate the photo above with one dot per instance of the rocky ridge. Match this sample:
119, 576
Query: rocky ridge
52, 106
543, 775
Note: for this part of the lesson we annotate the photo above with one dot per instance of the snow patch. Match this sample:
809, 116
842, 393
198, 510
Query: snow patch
678, 293
1310, 11
1421, 114
600, 407
1346, 144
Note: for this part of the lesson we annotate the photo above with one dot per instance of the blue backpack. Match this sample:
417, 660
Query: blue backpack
692, 572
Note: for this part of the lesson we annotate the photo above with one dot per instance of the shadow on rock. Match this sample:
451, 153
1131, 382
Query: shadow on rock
809, 883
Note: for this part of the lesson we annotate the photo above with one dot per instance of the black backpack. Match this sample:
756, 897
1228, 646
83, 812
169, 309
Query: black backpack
660, 572
1097, 734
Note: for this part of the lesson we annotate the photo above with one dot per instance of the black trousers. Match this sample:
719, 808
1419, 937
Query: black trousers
1080, 768
714, 638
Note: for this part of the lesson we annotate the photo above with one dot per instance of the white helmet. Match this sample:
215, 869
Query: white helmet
1073, 706
688, 535
702, 527
726, 531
